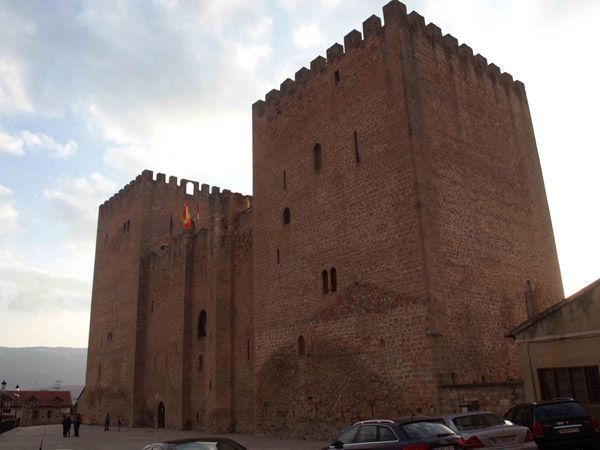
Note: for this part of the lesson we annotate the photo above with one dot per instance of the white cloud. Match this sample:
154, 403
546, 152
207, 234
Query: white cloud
75, 201
130, 158
8, 213
261, 28
248, 57
308, 36
16, 145
37, 303
13, 95
11, 144
45, 142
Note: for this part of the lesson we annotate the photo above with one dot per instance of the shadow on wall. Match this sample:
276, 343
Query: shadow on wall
316, 395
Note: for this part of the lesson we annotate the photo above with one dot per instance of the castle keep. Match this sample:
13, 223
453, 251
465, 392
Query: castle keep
398, 211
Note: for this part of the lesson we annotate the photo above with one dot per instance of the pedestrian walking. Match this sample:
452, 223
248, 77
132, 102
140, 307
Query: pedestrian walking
106, 422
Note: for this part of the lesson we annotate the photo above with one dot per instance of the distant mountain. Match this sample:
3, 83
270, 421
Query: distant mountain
38, 368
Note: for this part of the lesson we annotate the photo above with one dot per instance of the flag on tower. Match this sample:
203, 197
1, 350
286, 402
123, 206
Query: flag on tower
187, 219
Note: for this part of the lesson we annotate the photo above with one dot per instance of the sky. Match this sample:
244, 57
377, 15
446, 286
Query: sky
93, 92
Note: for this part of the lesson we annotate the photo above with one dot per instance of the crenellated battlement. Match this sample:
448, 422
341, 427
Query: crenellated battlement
395, 17
148, 180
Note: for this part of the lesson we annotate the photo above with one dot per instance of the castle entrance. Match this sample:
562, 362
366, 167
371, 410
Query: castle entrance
161, 415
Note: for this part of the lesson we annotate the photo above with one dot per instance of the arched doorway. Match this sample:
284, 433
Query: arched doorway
161, 415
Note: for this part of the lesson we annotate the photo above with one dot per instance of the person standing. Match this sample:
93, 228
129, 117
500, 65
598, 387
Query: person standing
106, 422
64, 424
76, 423
68, 425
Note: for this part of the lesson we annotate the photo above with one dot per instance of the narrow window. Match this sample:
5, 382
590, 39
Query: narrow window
337, 76
248, 348
356, 149
209, 384
278, 258
333, 277
317, 157
284, 179
152, 306
128, 223
301, 346
325, 282
201, 324
286, 216
200, 363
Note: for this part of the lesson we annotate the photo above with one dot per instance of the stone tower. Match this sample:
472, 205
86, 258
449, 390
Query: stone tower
164, 349
399, 209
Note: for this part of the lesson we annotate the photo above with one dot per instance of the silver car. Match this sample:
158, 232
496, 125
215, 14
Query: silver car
486, 430
196, 444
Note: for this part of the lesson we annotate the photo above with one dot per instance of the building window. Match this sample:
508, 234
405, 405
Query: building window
317, 157
35, 414
581, 383
284, 179
286, 216
201, 324
301, 346
325, 277
200, 363
337, 76
49, 414
333, 278
278, 257
128, 224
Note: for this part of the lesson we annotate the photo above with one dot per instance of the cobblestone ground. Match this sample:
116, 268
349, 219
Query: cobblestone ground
94, 438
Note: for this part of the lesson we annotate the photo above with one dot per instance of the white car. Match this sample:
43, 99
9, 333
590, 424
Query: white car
486, 430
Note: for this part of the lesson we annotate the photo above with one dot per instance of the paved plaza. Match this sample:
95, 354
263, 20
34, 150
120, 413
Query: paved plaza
94, 438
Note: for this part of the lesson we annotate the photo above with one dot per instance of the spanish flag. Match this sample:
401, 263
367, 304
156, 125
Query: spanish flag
187, 219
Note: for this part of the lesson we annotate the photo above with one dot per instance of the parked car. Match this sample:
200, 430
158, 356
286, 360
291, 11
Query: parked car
558, 424
205, 443
486, 430
414, 433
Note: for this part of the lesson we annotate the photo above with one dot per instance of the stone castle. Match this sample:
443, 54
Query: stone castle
398, 213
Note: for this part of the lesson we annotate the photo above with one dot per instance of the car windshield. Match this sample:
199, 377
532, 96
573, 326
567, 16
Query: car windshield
425, 430
559, 411
473, 421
